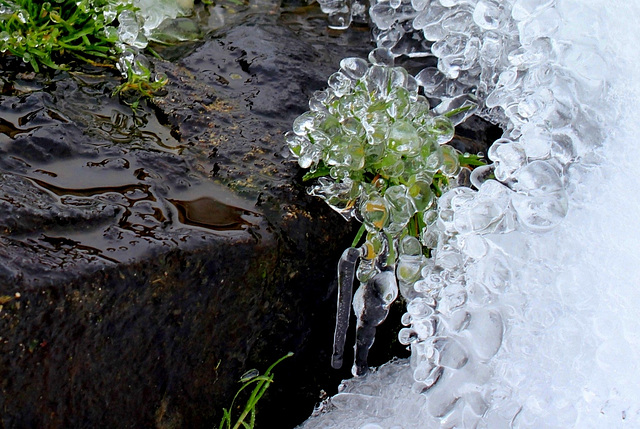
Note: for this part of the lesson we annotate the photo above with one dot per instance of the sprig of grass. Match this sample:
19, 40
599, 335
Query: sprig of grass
262, 383
471, 160
139, 84
45, 34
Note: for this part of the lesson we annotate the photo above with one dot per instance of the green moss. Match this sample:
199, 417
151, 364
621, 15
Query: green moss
47, 34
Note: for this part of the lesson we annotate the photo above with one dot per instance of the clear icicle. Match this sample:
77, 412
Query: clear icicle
346, 274
371, 305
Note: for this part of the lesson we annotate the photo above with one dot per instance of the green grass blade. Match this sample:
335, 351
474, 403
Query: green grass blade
262, 383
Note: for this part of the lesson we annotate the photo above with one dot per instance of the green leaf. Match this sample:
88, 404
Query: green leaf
321, 171
262, 383
358, 236
454, 112
470, 160
78, 35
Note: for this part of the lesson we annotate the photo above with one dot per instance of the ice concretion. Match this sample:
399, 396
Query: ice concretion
526, 316
155, 12
135, 28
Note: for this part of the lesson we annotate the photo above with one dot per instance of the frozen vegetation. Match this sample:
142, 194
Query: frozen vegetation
135, 29
381, 157
525, 312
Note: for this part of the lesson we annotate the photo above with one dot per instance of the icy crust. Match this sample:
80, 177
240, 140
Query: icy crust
375, 402
486, 238
135, 29
510, 321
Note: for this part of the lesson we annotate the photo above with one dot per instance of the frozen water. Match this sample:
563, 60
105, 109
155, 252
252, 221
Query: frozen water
346, 275
339, 13
526, 315
371, 305
130, 31
135, 29
371, 118
154, 12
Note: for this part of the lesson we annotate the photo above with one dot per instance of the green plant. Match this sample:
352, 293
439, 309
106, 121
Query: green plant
50, 34
262, 383
140, 83
377, 151
378, 154
44, 33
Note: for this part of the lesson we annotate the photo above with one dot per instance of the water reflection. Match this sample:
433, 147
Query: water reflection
100, 184
212, 214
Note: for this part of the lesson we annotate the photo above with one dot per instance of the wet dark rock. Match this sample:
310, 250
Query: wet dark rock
475, 135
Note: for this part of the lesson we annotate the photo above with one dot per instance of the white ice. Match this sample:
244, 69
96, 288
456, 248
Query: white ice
536, 308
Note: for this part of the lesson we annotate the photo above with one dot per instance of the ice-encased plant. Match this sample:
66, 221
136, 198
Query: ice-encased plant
379, 155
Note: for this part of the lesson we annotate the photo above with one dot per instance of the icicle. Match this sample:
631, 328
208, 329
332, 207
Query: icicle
346, 274
371, 305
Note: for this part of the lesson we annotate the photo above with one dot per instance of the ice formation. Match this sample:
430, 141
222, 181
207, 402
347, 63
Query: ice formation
135, 29
526, 313
381, 156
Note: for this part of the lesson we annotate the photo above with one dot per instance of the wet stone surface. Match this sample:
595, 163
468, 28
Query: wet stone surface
147, 261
